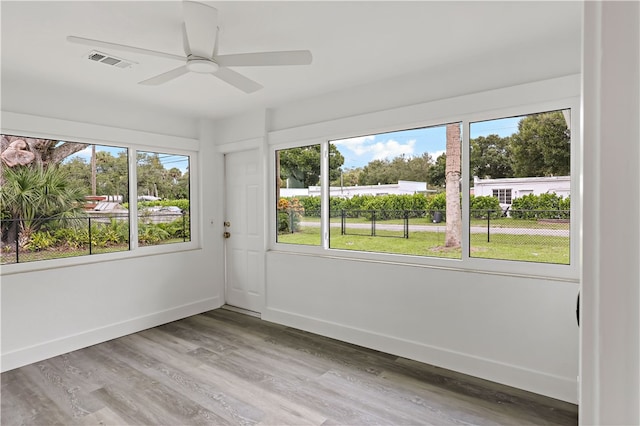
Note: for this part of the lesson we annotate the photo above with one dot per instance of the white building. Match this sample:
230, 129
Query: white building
402, 187
508, 189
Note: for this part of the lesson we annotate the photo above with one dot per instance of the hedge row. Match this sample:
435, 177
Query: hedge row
547, 205
543, 206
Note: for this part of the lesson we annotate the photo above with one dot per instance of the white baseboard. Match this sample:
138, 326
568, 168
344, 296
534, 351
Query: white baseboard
539, 382
39, 352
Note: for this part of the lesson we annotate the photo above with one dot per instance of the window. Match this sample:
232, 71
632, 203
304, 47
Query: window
163, 198
65, 199
503, 195
530, 153
390, 197
298, 194
400, 193
62, 199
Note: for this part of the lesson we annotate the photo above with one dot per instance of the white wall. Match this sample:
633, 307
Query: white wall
506, 327
513, 330
610, 341
46, 312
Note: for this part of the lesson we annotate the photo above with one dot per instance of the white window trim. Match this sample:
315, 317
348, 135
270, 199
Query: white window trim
550, 95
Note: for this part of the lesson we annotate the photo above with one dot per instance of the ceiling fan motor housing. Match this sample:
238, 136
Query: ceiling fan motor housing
201, 65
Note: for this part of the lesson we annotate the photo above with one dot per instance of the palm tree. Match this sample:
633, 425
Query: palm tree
32, 195
453, 231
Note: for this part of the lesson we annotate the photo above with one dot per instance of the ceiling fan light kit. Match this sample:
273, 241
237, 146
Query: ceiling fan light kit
201, 65
200, 36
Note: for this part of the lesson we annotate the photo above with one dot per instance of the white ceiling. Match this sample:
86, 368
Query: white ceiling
352, 43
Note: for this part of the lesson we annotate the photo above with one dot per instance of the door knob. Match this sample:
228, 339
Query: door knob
227, 234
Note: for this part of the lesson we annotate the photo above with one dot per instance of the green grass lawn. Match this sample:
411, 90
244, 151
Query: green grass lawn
542, 248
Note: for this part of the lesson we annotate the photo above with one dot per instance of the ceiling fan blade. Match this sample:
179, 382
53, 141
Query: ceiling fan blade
125, 48
237, 80
201, 23
290, 57
164, 77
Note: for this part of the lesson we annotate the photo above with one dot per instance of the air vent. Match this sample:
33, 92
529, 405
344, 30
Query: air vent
109, 59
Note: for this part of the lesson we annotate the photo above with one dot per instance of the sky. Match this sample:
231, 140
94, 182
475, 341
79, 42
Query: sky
359, 151
169, 161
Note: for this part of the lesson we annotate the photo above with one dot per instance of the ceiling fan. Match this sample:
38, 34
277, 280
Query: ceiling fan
200, 43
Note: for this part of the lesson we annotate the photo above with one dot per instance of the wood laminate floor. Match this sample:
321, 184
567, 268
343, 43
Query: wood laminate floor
223, 367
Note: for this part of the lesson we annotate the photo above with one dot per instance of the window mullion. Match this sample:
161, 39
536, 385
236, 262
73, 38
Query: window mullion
465, 243
324, 194
133, 199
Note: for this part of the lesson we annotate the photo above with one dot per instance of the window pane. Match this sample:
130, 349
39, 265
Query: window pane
62, 199
163, 198
520, 197
298, 195
390, 195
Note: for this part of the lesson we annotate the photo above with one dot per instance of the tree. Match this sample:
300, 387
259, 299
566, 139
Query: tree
302, 165
453, 230
46, 151
112, 174
348, 177
400, 168
437, 172
542, 146
378, 171
489, 157
32, 195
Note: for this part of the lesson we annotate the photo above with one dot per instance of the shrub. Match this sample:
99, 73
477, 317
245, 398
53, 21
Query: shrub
178, 228
543, 206
480, 205
438, 203
289, 214
149, 233
73, 238
40, 240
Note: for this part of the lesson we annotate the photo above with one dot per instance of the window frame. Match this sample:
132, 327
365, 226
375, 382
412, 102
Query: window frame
369, 124
503, 194
38, 127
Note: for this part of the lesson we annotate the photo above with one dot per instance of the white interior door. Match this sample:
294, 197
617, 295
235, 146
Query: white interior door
244, 247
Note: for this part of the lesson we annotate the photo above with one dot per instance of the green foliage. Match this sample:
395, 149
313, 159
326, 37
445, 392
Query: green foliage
480, 205
542, 146
290, 212
179, 228
31, 195
149, 233
437, 173
437, 202
400, 168
302, 165
40, 241
106, 234
72, 238
543, 206
490, 157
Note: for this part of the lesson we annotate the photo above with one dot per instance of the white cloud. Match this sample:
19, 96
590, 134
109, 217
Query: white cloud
357, 145
435, 154
391, 149
379, 150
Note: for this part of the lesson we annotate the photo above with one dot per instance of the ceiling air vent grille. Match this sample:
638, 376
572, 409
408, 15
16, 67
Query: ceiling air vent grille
109, 59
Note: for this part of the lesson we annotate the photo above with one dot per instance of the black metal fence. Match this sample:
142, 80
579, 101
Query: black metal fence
521, 226
53, 238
